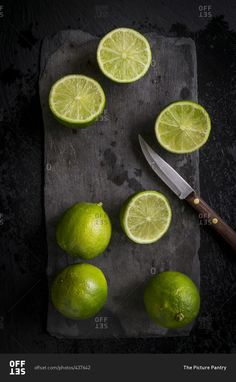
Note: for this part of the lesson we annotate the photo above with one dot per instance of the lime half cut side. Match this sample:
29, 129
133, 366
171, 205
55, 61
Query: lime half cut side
183, 127
76, 100
146, 217
124, 55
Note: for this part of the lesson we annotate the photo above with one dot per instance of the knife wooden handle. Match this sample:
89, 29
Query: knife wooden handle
209, 217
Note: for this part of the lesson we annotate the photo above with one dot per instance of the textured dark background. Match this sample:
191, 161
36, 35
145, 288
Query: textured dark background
23, 254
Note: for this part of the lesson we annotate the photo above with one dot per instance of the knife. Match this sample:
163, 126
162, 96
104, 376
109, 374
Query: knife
184, 191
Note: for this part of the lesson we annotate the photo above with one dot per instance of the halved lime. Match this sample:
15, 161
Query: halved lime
124, 55
145, 217
76, 100
183, 127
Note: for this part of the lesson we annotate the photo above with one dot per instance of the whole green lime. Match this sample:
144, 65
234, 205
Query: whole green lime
172, 299
79, 291
84, 230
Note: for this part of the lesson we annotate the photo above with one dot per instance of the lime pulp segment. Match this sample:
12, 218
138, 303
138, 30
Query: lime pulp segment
76, 100
124, 55
183, 127
147, 217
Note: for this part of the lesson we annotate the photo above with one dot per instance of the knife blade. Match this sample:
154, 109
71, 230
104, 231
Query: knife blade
169, 176
184, 191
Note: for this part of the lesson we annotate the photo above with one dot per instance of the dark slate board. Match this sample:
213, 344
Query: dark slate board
104, 163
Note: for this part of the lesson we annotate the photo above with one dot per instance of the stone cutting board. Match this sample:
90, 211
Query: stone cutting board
104, 163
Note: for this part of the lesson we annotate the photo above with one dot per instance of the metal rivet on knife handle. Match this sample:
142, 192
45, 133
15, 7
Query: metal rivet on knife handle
217, 223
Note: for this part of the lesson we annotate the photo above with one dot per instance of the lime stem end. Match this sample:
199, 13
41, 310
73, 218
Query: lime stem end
179, 317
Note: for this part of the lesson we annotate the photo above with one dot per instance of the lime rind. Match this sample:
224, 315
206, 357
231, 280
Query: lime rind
142, 60
79, 291
84, 230
131, 203
93, 112
171, 299
169, 118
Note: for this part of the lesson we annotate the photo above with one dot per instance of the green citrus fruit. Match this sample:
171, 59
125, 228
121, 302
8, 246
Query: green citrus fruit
183, 127
84, 230
146, 216
79, 291
76, 100
124, 55
172, 299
